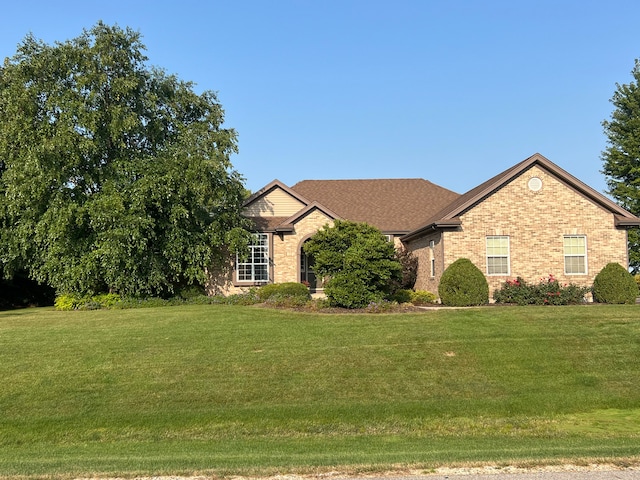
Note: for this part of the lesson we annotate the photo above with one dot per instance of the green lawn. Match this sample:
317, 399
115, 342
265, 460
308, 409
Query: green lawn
238, 390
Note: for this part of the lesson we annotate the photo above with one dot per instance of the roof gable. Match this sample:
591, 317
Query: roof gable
274, 200
287, 224
449, 216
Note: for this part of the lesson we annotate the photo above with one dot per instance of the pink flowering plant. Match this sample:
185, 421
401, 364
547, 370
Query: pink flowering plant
548, 291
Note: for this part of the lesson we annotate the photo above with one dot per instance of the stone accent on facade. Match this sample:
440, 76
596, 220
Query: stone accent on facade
286, 247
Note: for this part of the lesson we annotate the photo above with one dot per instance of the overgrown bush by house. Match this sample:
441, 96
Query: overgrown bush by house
462, 284
409, 273
349, 290
614, 284
548, 291
358, 260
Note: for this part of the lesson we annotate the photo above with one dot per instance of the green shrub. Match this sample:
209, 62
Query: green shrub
409, 273
282, 290
614, 284
250, 297
402, 296
422, 297
107, 300
358, 260
67, 302
348, 290
462, 284
419, 297
191, 292
546, 292
78, 302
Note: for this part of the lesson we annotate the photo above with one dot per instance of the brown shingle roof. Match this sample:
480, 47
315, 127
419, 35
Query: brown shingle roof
392, 205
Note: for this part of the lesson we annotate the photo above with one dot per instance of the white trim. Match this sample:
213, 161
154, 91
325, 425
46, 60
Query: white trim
566, 255
507, 256
256, 267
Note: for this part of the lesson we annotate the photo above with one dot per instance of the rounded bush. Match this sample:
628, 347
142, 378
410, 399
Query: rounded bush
280, 290
463, 284
614, 284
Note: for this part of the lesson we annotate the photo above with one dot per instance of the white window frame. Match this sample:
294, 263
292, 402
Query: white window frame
493, 254
254, 268
569, 252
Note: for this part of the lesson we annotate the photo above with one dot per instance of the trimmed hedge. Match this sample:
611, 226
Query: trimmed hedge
280, 290
463, 285
614, 284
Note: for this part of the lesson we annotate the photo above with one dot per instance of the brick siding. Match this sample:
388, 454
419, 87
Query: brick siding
535, 223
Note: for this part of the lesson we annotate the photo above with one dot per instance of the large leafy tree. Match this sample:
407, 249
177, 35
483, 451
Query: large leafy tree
115, 176
359, 261
622, 155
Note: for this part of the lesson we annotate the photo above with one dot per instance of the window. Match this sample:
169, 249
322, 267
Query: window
432, 258
575, 254
498, 255
255, 268
307, 275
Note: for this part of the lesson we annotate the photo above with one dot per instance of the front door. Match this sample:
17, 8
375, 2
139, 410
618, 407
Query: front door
307, 275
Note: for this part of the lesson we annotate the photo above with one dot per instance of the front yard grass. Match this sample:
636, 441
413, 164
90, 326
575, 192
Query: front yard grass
228, 390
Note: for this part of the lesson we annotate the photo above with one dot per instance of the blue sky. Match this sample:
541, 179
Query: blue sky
451, 91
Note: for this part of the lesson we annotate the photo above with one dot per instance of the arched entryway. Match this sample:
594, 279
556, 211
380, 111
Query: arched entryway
307, 273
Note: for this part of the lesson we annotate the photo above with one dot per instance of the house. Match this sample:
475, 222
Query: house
531, 220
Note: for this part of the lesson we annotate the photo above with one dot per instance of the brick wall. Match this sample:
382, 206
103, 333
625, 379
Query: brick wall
425, 251
535, 222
